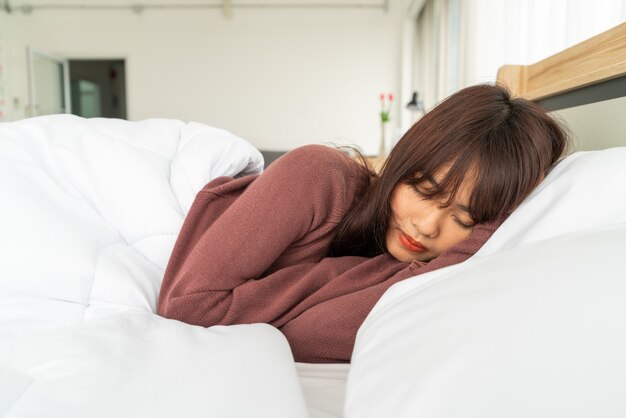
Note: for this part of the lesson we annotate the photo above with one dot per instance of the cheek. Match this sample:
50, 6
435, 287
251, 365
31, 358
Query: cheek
405, 203
397, 203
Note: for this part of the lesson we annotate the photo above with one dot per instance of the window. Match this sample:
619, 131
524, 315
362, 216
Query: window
438, 50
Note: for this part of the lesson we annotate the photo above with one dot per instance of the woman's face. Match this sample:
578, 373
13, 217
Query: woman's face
421, 229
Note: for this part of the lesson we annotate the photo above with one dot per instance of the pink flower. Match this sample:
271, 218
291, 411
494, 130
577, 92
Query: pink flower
385, 106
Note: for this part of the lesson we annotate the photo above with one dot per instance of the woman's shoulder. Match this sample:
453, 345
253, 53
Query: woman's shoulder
322, 159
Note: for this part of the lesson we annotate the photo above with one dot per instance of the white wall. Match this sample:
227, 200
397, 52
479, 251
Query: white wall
597, 125
5, 104
279, 78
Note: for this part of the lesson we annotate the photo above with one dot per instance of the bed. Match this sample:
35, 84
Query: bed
532, 325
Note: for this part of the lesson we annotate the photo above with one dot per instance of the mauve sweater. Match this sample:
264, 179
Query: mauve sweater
254, 249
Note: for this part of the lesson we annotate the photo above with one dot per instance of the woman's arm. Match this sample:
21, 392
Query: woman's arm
284, 217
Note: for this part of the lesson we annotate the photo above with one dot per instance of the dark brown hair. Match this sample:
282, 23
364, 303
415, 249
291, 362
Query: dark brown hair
507, 144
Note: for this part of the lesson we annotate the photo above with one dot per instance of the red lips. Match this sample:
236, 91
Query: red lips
410, 244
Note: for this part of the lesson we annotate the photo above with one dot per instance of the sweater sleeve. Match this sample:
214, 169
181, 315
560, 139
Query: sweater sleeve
297, 202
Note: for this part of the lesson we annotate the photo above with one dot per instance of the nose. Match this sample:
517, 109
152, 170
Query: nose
428, 222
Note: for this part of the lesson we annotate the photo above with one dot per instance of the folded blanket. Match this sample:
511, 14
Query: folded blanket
89, 213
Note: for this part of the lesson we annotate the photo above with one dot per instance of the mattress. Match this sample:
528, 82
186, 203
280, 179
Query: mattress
324, 388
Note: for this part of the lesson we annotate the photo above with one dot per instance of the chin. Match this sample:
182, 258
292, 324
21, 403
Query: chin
424, 258
405, 256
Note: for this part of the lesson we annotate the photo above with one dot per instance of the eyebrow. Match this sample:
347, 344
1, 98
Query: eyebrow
438, 186
462, 207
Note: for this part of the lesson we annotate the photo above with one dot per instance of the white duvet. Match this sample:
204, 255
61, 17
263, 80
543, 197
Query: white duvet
89, 213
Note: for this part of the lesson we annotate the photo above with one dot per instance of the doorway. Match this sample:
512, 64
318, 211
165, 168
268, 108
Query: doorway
98, 88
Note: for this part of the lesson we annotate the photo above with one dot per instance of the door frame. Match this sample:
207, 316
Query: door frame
32, 92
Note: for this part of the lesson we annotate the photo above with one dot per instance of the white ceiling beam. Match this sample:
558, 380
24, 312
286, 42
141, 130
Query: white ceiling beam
227, 6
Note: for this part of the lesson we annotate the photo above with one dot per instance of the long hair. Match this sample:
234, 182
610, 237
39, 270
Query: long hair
507, 144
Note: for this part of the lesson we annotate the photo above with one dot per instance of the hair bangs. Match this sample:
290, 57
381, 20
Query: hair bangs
442, 180
503, 180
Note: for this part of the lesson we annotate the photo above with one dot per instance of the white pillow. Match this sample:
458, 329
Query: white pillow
530, 326
537, 331
583, 192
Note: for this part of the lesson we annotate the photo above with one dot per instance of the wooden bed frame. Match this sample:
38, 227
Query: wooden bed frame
596, 60
583, 86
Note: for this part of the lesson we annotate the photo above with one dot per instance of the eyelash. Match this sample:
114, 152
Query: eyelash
457, 220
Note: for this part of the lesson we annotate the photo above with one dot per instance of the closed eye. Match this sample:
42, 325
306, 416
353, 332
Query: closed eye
416, 190
462, 224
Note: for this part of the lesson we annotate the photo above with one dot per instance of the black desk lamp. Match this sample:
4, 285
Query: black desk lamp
416, 104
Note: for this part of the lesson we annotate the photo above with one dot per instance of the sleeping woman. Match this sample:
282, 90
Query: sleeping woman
310, 245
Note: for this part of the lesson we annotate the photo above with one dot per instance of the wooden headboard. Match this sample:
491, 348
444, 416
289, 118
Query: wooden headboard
585, 85
595, 60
